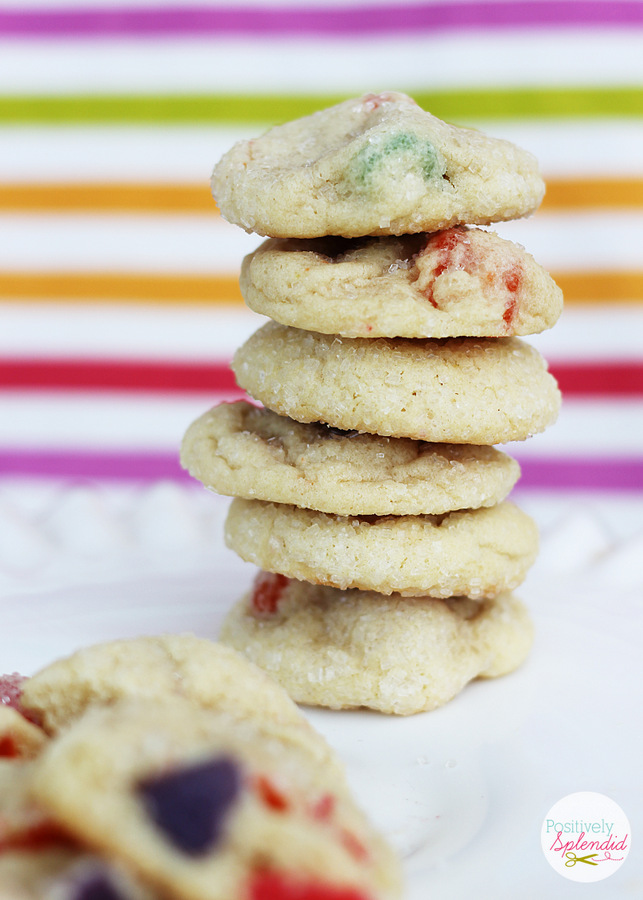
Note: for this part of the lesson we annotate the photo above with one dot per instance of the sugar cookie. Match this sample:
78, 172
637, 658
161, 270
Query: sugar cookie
476, 553
459, 282
377, 164
248, 451
209, 807
346, 649
459, 390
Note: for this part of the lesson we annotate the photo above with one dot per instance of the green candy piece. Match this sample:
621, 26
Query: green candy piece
370, 158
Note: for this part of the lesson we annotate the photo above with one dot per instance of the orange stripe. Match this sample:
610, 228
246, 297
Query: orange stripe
195, 199
601, 287
593, 193
168, 199
120, 287
577, 287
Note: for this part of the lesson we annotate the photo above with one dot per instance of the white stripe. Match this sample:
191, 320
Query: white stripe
189, 153
609, 332
124, 243
577, 242
82, 422
589, 428
75, 421
577, 148
114, 153
211, 334
411, 62
584, 241
78, 331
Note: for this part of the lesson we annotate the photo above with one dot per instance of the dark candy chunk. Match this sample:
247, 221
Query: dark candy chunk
190, 805
97, 886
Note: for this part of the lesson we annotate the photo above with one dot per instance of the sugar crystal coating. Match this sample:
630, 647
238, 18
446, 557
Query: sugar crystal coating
373, 166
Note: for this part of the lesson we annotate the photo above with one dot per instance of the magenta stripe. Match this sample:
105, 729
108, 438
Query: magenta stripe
573, 474
561, 473
195, 21
117, 466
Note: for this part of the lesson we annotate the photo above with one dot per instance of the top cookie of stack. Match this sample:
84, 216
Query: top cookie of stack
391, 367
376, 165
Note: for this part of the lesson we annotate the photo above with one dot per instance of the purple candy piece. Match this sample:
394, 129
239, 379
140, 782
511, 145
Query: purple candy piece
98, 886
190, 804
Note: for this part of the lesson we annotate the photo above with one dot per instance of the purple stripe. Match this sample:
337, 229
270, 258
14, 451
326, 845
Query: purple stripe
198, 21
123, 466
565, 474
573, 474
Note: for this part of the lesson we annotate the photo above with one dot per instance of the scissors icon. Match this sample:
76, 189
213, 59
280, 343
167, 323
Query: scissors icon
572, 859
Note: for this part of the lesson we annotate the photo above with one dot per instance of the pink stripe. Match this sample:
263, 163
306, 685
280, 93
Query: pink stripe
565, 474
199, 21
621, 378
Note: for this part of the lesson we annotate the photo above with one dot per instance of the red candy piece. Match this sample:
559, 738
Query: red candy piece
266, 593
266, 885
270, 795
446, 243
374, 101
513, 282
513, 279
43, 836
455, 252
8, 748
11, 689
354, 845
11, 695
323, 808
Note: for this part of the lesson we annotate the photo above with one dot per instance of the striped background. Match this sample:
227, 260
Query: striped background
119, 306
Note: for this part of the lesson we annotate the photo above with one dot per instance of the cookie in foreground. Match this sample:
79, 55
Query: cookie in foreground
350, 649
457, 390
209, 807
156, 667
242, 450
462, 282
373, 165
475, 553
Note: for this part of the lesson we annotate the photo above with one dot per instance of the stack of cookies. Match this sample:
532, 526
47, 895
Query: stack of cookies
368, 490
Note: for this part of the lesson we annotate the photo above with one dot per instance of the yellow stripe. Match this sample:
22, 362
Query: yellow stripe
108, 287
119, 287
195, 199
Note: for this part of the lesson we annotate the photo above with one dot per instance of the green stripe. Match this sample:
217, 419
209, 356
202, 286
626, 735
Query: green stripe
219, 109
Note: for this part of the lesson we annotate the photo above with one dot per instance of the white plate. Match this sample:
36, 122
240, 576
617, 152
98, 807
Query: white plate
462, 791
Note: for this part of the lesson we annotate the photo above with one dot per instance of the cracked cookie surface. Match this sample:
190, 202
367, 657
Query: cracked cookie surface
376, 164
459, 282
246, 451
347, 649
205, 673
